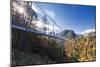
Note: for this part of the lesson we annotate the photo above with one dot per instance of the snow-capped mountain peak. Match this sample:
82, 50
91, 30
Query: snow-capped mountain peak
89, 32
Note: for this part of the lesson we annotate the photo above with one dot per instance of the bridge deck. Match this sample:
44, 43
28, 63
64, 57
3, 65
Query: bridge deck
37, 32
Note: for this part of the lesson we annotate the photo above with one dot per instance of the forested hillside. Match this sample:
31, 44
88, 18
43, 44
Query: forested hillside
81, 49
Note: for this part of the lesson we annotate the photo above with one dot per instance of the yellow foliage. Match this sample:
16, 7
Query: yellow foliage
84, 49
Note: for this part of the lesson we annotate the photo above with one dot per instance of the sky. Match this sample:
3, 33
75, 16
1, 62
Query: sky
78, 18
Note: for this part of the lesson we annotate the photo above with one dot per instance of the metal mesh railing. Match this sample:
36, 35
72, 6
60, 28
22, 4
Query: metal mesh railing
31, 17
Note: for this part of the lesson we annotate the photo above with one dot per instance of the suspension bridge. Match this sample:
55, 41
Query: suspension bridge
46, 25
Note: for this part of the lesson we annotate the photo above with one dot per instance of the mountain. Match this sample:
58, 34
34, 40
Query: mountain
90, 34
71, 34
68, 34
79, 35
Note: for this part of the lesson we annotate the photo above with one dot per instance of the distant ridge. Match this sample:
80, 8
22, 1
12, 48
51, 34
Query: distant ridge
68, 34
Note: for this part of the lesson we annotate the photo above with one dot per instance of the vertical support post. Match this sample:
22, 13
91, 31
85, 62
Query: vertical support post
53, 28
63, 47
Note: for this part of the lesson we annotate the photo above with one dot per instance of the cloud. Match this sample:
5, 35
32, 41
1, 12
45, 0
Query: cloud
51, 13
88, 30
56, 29
40, 24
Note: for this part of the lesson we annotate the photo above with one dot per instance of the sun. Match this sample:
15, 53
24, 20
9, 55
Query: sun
20, 10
